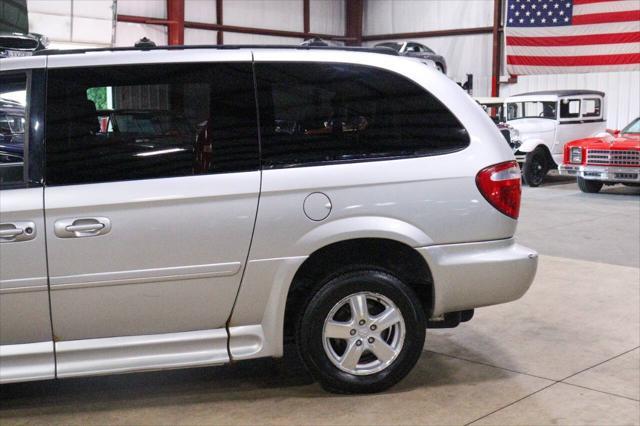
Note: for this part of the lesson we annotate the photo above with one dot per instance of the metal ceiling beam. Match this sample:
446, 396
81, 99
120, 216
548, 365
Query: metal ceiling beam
427, 34
259, 31
219, 20
175, 18
497, 48
306, 16
354, 22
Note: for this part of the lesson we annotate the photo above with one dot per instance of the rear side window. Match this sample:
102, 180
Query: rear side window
591, 108
570, 108
149, 121
13, 126
313, 113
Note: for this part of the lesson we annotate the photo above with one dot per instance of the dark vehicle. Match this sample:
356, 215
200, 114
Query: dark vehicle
416, 50
12, 123
19, 44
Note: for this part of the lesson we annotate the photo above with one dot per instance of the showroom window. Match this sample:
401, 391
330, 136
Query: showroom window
149, 121
315, 113
570, 108
13, 128
591, 108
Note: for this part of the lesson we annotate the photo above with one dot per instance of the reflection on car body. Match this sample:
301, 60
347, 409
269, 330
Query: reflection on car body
11, 131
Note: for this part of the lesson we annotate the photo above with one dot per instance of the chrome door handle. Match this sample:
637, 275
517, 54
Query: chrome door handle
89, 227
10, 233
17, 231
81, 227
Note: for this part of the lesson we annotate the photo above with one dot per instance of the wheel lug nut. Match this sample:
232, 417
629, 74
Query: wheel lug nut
353, 332
358, 342
362, 322
370, 339
373, 327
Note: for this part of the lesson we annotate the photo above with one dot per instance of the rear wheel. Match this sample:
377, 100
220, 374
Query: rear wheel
362, 332
589, 186
535, 167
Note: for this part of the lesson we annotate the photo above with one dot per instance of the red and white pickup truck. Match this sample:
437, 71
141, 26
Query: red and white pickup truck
605, 160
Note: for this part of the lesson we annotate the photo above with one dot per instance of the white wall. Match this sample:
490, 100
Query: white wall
327, 16
69, 22
464, 54
395, 16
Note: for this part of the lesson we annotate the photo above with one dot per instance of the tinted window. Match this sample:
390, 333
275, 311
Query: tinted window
149, 121
316, 113
13, 124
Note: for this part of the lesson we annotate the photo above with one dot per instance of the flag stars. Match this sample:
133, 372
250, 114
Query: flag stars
532, 13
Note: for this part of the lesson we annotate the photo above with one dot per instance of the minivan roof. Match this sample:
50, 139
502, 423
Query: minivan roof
385, 51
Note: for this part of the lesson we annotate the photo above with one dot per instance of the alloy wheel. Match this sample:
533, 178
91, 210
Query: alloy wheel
363, 333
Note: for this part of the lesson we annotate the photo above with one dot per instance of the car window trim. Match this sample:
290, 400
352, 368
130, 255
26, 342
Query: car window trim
30, 178
266, 165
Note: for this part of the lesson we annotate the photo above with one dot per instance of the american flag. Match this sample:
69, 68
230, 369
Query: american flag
572, 36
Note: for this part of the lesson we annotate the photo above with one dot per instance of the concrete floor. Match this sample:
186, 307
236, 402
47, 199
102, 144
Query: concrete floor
566, 353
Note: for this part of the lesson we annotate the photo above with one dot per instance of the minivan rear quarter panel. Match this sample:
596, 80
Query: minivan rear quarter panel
423, 201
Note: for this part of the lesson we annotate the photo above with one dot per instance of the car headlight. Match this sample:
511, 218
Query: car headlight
575, 156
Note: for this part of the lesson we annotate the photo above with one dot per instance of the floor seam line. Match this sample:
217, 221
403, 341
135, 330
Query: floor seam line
600, 363
494, 366
510, 404
601, 391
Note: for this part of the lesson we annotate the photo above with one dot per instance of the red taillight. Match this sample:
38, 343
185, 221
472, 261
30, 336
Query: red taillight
500, 185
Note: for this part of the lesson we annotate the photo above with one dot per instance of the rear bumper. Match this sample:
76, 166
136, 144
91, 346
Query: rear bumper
602, 173
471, 275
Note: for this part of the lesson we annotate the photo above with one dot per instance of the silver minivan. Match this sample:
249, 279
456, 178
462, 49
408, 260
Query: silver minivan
171, 208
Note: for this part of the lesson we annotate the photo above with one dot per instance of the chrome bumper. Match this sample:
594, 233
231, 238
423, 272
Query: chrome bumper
472, 275
602, 173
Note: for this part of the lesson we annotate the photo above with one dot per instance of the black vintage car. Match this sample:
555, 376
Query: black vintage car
416, 50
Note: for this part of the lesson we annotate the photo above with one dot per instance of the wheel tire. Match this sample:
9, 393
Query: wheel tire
311, 340
589, 186
535, 167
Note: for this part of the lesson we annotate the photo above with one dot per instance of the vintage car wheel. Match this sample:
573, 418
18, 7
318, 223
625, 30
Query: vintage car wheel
362, 332
535, 167
589, 186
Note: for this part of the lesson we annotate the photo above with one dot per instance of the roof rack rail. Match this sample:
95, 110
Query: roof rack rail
382, 50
